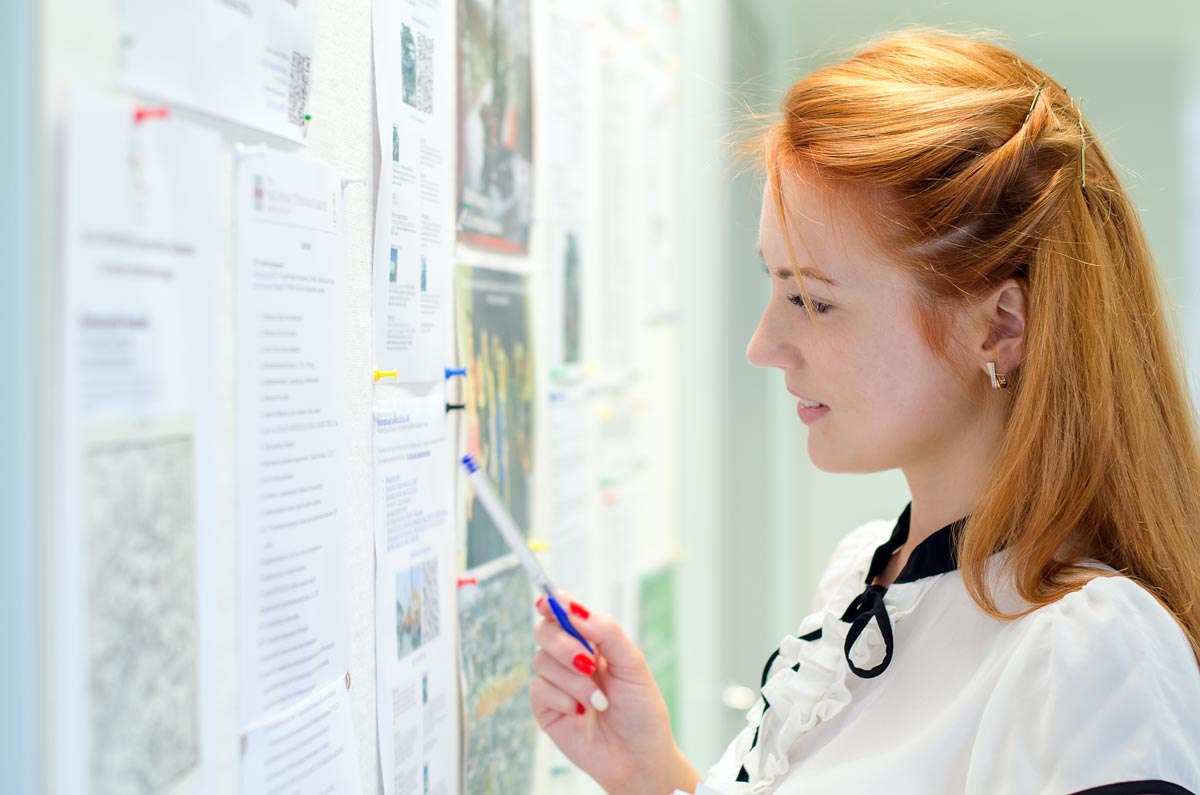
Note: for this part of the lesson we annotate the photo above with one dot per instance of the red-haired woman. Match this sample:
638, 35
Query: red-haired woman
960, 289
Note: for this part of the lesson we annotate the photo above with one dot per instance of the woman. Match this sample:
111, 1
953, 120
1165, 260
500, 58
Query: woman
960, 289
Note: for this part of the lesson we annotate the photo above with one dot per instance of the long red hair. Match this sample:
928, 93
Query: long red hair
978, 167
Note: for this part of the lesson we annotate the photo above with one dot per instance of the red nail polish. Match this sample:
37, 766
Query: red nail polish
579, 710
579, 610
584, 664
539, 602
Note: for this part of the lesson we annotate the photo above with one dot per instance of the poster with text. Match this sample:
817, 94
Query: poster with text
414, 236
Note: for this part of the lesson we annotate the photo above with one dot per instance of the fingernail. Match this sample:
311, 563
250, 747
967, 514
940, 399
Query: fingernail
579, 610
599, 701
579, 708
586, 665
539, 602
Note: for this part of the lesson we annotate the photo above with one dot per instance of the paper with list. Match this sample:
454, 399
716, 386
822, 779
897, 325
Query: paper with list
306, 750
132, 630
414, 93
291, 457
249, 61
415, 683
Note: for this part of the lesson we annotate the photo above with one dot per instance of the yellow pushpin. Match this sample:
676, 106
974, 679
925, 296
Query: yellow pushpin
538, 546
677, 552
605, 413
386, 374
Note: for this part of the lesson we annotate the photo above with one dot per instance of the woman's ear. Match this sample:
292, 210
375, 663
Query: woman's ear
1002, 322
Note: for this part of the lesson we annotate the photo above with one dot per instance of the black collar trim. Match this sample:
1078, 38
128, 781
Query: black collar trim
937, 554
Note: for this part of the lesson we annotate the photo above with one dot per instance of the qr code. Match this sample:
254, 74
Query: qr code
298, 88
424, 73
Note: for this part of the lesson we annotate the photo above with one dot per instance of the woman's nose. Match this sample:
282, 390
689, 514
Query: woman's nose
770, 346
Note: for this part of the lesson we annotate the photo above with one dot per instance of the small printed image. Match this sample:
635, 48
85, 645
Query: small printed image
416, 66
424, 275
408, 611
394, 256
431, 619
418, 609
408, 66
425, 689
395, 143
572, 300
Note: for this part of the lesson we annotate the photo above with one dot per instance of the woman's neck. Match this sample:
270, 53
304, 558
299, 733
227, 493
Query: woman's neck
946, 487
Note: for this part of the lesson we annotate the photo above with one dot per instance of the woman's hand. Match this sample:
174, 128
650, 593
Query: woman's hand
604, 711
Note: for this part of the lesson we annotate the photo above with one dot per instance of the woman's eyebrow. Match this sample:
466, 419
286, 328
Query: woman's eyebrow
786, 273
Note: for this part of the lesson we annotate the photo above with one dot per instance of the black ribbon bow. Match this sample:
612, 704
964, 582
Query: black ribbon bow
869, 605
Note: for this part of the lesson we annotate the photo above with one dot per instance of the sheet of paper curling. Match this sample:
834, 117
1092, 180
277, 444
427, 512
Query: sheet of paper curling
290, 449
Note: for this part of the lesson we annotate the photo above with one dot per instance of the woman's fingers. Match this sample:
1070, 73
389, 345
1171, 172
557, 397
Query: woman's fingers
572, 659
581, 688
550, 703
601, 630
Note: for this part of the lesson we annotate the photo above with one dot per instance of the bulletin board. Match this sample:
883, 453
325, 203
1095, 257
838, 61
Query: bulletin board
569, 207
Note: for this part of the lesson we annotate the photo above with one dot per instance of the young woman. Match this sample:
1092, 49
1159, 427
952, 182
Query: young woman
960, 289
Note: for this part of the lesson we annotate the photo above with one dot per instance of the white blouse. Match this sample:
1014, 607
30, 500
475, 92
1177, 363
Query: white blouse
913, 689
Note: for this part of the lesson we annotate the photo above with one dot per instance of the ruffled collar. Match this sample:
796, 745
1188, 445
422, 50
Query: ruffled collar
818, 661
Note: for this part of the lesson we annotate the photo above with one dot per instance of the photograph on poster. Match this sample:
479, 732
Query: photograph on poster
496, 348
495, 124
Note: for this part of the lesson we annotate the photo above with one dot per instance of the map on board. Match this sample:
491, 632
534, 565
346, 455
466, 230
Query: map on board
138, 510
496, 649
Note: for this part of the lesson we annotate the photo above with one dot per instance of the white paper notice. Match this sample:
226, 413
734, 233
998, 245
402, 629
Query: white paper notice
568, 489
291, 409
249, 61
307, 750
414, 90
133, 631
566, 110
414, 586
622, 217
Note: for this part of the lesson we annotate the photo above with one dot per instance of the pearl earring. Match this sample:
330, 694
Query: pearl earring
998, 381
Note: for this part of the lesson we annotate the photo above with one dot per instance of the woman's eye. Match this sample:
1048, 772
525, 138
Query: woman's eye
819, 307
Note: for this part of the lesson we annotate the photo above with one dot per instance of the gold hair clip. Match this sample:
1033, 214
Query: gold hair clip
1082, 146
1033, 104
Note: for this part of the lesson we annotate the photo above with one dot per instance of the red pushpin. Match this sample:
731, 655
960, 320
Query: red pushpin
465, 581
142, 114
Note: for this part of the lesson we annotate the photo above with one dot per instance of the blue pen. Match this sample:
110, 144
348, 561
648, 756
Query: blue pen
512, 535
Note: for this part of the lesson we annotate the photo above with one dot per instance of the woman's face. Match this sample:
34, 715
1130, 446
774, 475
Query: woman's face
892, 403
